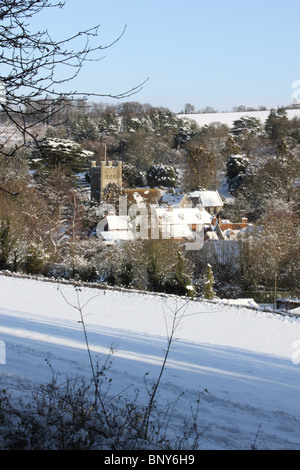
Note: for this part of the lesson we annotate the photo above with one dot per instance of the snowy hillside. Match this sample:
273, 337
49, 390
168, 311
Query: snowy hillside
229, 118
245, 358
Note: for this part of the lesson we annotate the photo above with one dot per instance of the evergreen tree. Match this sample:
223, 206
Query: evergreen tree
155, 277
283, 151
126, 274
6, 244
236, 169
161, 175
276, 125
247, 124
231, 147
208, 283
35, 260
180, 283
201, 172
131, 175
109, 125
54, 153
84, 129
248, 133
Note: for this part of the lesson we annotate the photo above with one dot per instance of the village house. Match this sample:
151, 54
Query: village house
211, 201
222, 240
114, 228
226, 230
181, 223
172, 214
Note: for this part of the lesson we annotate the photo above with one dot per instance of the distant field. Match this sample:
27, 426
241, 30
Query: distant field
229, 118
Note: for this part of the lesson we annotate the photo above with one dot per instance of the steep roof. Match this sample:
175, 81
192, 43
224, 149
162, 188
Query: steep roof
144, 196
175, 197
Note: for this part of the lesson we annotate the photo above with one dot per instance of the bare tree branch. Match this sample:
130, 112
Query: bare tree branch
31, 62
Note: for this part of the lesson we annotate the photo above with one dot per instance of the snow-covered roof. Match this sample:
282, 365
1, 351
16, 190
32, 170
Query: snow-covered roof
174, 198
143, 197
175, 223
212, 235
181, 222
182, 216
116, 235
207, 198
179, 231
118, 222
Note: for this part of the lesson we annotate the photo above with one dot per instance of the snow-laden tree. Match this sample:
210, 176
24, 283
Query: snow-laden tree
109, 125
157, 121
132, 176
249, 133
161, 175
84, 129
271, 252
53, 153
274, 179
236, 170
231, 147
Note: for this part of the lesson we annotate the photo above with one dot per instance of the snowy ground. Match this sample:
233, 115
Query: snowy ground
229, 118
248, 360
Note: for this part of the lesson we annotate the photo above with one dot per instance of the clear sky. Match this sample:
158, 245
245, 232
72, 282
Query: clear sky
219, 53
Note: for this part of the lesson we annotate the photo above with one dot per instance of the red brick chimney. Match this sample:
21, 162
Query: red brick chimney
244, 222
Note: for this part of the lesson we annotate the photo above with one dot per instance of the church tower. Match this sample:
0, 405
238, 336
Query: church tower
102, 175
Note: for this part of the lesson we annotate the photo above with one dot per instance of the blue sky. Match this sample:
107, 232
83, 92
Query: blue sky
207, 53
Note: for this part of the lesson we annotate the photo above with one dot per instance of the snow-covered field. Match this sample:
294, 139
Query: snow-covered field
229, 118
248, 360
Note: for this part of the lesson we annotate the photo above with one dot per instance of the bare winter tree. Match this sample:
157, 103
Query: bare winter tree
30, 63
